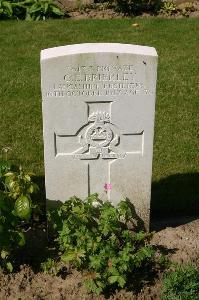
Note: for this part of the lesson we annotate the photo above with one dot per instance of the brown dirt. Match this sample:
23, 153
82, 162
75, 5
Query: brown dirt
102, 11
180, 243
90, 13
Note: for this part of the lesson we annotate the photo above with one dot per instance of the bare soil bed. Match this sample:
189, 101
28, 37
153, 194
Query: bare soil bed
103, 11
180, 244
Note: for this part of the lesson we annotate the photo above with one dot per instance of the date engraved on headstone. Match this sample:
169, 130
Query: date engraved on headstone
98, 81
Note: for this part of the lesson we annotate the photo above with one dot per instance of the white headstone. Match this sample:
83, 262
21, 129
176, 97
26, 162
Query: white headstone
98, 120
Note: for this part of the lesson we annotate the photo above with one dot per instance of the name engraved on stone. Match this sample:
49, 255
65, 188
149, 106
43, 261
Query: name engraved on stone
98, 81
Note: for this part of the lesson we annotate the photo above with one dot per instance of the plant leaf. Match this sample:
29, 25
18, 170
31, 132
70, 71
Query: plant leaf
21, 239
9, 267
22, 208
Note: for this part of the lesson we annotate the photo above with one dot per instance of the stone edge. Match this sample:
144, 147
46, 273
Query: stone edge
97, 48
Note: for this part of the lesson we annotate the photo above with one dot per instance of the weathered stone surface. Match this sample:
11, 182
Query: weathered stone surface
98, 119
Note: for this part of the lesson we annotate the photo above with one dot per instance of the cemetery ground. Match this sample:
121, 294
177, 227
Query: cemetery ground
175, 182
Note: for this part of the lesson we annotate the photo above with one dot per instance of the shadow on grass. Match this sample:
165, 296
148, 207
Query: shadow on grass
175, 200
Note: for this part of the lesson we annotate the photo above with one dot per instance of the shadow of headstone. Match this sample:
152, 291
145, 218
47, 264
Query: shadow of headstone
175, 200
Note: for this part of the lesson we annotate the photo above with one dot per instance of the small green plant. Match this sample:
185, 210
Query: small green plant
94, 237
33, 10
42, 9
136, 7
127, 7
168, 8
181, 284
6, 11
16, 206
50, 266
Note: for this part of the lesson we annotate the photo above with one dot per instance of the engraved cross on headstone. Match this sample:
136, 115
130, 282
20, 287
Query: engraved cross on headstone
98, 143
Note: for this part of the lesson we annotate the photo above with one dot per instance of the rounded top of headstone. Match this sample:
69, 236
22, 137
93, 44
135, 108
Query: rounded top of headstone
97, 48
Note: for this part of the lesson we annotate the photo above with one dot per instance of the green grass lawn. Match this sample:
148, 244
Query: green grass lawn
176, 146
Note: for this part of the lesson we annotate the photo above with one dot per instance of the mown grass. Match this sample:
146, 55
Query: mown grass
176, 158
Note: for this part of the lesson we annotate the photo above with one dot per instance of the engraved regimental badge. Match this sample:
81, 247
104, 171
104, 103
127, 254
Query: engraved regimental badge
99, 138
